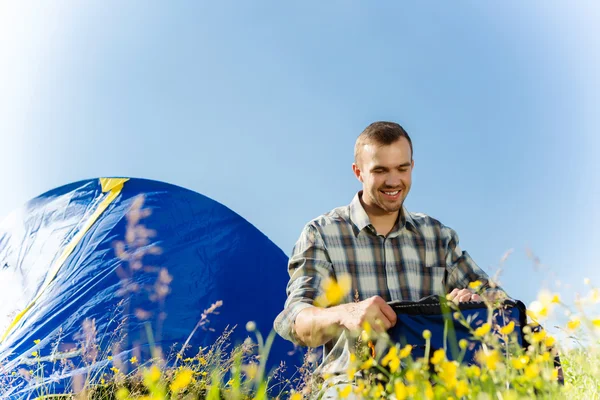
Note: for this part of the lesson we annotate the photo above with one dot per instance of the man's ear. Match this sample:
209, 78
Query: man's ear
357, 171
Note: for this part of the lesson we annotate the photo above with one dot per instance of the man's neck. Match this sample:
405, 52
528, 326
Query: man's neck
382, 221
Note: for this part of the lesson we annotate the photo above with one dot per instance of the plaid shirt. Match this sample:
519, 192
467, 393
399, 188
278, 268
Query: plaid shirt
419, 257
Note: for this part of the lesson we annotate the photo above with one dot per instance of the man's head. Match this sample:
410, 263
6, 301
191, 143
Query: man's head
383, 163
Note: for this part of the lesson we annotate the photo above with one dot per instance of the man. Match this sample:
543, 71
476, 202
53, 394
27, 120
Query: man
389, 253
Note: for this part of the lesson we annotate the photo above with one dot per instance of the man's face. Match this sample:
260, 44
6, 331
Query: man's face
386, 174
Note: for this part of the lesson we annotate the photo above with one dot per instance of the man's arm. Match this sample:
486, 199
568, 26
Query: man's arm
462, 270
305, 324
309, 264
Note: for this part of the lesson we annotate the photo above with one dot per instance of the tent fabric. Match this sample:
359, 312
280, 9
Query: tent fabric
100, 261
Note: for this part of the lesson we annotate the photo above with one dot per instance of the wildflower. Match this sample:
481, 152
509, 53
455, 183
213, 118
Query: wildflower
463, 343
447, 373
182, 380
36, 341
367, 364
251, 326
549, 341
334, 291
426, 334
346, 391
296, 396
490, 359
410, 375
428, 391
473, 371
152, 375
202, 361
438, 356
251, 370
475, 285
532, 371
351, 372
462, 388
573, 323
405, 352
366, 332
483, 330
35, 354
537, 337
378, 392
115, 370
133, 360
400, 390
122, 394
508, 329
520, 362
109, 358
392, 359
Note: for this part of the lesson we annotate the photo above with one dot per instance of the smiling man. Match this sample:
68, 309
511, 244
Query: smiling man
388, 252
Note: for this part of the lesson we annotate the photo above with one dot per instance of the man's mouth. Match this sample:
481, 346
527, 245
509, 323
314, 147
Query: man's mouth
392, 195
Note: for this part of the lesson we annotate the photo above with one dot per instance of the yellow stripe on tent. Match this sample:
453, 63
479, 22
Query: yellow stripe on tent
111, 185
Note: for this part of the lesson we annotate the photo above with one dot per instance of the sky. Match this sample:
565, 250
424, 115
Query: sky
257, 105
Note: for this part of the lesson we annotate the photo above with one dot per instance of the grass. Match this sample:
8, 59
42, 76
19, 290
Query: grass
503, 370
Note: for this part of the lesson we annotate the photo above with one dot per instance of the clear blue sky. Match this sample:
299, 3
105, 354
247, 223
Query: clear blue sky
258, 104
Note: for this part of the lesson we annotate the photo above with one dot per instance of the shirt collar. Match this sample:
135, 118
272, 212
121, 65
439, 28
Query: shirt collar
361, 220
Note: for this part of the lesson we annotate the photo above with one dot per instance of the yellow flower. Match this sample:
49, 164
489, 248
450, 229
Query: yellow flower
122, 394
366, 332
462, 388
182, 380
109, 358
379, 390
202, 360
400, 390
438, 356
537, 337
532, 371
490, 359
367, 364
115, 370
555, 299
573, 323
475, 285
520, 362
133, 360
410, 375
153, 374
550, 341
296, 396
447, 373
429, 395
36, 341
334, 290
392, 359
35, 354
251, 370
426, 334
508, 329
463, 343
346, 392
483, 330
351, 372
405, 352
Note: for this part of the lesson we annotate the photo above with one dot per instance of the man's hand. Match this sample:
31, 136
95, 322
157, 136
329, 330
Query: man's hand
462, 295
374, 310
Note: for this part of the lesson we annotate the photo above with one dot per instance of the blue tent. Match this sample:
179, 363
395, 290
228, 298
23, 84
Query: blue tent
100, 261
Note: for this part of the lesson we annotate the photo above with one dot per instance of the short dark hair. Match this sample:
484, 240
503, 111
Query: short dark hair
381, 133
